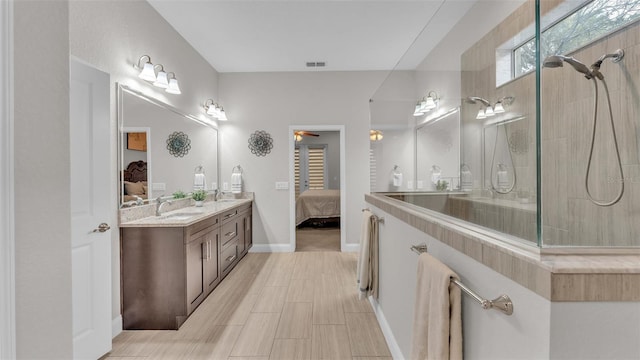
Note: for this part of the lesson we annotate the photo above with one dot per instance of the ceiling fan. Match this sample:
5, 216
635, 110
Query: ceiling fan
300, 133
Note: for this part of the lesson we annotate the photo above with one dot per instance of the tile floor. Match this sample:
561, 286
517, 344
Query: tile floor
300, 305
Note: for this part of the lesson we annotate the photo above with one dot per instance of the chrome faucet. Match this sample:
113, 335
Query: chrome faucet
159, 203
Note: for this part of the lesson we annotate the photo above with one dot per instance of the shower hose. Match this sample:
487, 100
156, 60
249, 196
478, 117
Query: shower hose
615, 143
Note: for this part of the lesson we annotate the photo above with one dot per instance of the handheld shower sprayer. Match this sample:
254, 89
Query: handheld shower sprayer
554, 61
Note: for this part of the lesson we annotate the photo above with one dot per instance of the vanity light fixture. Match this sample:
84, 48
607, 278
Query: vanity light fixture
498, 108
375, 135
146, 71
214, 110
418, 111
427, 103
481, 114
161, 79
489, 111
222, 115
173, 87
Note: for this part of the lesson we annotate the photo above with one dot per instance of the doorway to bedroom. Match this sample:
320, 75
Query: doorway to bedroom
317, 178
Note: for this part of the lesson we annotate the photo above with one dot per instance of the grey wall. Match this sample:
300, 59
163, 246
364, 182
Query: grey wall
111, 36
42, 228
274, 101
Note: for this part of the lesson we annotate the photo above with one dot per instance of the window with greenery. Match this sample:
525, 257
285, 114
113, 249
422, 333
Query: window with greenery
590, 22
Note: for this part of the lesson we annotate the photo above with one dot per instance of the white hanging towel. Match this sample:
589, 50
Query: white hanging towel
236, 183
199, 182
397, 179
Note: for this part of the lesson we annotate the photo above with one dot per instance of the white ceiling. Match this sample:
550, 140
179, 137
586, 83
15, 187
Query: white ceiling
265, 35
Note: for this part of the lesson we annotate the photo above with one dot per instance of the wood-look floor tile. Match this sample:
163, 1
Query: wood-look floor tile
271, 299
248, 358
330, 342
327, 301
308, 265
372, 358
301, 290
232, 311
256, 338
279, 277
135, 343
291, 349
295, 321
352, 303
365, 335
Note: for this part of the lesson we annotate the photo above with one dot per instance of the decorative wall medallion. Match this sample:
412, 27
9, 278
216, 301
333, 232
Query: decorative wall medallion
260, 143
178, 144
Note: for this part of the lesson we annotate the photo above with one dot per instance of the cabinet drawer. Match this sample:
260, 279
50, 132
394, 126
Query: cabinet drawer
193, 231
229, 256
229, 232
229, 215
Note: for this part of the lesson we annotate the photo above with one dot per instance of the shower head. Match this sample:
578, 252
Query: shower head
476, 99
615, 57
554, 61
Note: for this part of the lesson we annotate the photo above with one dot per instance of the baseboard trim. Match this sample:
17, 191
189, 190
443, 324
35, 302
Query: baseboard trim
351, 248
394, 348
116, 326
270, 248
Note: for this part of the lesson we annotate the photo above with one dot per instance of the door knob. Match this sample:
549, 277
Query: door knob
102, 228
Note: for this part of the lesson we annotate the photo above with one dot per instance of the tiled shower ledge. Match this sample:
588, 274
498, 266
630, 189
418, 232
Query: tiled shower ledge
556, 277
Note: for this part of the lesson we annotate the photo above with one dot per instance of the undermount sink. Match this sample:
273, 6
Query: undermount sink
180, 215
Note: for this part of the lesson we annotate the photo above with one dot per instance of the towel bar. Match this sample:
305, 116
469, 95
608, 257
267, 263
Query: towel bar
502, 303
378, 219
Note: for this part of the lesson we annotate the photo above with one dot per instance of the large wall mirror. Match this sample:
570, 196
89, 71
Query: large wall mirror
161, 149
438, 153
505, 146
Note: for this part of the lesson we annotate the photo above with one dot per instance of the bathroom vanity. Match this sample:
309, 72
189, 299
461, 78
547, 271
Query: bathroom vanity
171, 263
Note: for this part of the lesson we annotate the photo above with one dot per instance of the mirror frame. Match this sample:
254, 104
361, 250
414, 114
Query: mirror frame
121, 89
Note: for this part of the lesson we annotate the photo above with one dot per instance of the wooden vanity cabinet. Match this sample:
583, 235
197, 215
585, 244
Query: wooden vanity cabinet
166, 272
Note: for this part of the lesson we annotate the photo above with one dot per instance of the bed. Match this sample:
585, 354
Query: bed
317, 204
135, 181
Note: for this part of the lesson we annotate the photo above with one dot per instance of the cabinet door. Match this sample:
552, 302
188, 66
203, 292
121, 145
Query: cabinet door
248, 238
196, 252
211, 270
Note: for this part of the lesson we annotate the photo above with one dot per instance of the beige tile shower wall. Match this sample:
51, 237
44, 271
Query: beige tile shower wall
569, 218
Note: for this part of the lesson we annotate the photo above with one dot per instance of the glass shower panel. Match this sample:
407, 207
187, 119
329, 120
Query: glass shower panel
580, 206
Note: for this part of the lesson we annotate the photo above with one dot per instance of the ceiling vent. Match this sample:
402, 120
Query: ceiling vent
316, 64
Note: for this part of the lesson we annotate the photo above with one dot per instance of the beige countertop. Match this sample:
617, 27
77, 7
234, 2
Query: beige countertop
187, 215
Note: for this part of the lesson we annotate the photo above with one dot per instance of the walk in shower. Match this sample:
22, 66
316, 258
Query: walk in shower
535, 132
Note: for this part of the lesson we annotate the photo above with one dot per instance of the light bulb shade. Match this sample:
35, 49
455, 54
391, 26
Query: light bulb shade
481, 114
489, 111
418, 111
498, 108
173, 87
375, 135
297, 137
222, 115
430, 103
161, 80
147, 72
211, 110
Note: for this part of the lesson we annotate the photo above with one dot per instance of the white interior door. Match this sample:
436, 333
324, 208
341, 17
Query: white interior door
90, 234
